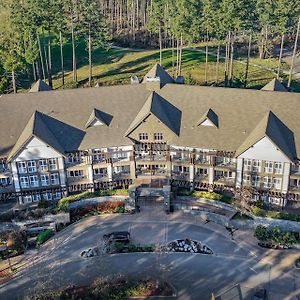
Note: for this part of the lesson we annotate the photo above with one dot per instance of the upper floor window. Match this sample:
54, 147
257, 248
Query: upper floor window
34, 181
247, 178
100, 172
98, 155
268, 182
24, 182
256, 181
278, 167
76, 173
4, 181
45, 180
54, 179
143, 136
268, 167
52, 164
158, 136
256, 166
247, 164
31, 166
22, 167
43, 164
277, 183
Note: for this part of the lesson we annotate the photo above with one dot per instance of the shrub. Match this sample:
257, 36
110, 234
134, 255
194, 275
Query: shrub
211, 196
63, 204
258, 212
44, 236
259, 203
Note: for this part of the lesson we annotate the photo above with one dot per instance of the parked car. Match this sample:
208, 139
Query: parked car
117, 236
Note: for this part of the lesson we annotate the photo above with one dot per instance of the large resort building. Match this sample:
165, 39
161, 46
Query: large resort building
53, 143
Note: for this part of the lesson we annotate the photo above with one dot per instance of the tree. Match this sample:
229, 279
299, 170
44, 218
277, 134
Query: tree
11, 46
94, 29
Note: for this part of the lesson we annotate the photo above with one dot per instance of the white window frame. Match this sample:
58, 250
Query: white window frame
256, 165
76, 173
269, 167
247, 164
278, 167
47, 196
100, 172
31, 166
52, 163
54, 179
34, 181
45, 180
277, 183
268, 182
256, 180
36, 197
43, 164
27, 199
24, 182
22, 167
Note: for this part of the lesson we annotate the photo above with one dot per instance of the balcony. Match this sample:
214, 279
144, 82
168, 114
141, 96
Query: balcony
228, 181
294, 189
295, 171
146, 157
180, 159
181, 175
77, 179
101, 177
121, 175
204, 162
149, 172
201, 177
226, 165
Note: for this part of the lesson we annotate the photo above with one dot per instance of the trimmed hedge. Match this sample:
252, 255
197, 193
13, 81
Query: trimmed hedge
63, 204
44, 236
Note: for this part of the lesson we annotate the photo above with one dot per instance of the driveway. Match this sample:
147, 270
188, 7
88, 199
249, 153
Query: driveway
195, 276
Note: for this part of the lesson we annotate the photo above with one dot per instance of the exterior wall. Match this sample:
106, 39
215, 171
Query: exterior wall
152, 125
264, 150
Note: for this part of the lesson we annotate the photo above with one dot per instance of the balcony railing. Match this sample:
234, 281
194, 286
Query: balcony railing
202, 162
225, 180
295, 170
149, 172
229, 165
181, 175
123, 175
180, 159
77, 179
201, 177
295, 188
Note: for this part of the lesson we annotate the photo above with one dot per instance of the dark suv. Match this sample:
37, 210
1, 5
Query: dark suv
117, 236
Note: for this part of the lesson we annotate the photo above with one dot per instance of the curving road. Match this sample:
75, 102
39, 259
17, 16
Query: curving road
195, 276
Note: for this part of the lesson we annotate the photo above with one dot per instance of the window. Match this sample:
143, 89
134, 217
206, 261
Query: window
47, 196
256, 181
268, 182
158, 136
268, 167
143, 136
277, 183
100, 172
27, 199
76, 173
247, 164
4, 181
43, 164
98, 155
34, 181
52, 164
36, 197
54, 179
22, 168
45, 180
278, 168
31, 166
57, 195
119, 156
24, 182
247, 179
121, 169
256, 166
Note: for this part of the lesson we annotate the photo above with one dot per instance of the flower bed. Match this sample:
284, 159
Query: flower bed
259, 212
188, 245
63, 204
117, 288
106, 207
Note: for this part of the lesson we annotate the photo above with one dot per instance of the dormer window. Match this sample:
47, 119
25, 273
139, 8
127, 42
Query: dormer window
143, 136
210, 118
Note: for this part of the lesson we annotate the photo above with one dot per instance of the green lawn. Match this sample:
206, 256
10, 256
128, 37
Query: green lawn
116, 65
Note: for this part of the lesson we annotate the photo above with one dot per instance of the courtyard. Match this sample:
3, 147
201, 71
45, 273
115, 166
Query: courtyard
235, 260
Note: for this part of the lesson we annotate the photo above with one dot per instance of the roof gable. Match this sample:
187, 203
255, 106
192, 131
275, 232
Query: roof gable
40, 86
165, 112
210, 118
98, 117
157, 71
274, 85
272, 127
36, 127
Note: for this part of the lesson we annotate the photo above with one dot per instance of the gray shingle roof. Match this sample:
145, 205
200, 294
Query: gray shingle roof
167, 113
275, 86
65, 113
40, 86
158, 71
272, 127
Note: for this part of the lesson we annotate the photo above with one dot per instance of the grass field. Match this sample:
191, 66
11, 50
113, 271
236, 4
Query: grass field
116, 65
